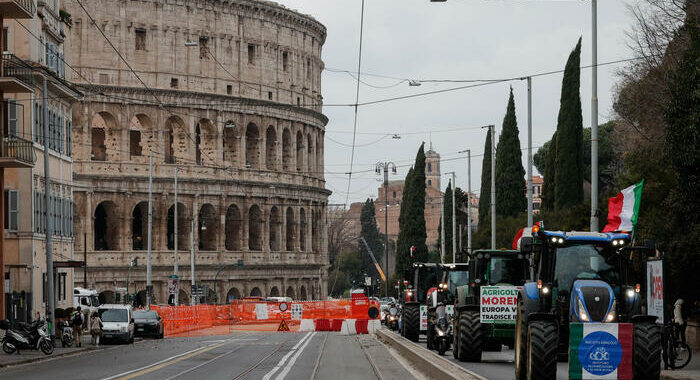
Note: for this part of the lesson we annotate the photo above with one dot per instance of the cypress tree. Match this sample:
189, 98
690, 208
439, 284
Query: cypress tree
412, 219
485, 194
447, 204
370, 231
568, 175
549, 169
402, 244
510, 174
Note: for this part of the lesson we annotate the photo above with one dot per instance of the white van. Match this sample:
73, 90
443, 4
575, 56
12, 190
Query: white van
117, 322
87, 299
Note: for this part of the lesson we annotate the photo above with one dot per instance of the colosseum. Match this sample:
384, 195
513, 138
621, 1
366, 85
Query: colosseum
228, 98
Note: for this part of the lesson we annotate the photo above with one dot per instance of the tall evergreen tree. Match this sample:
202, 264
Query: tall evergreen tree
447, 204
370, 231
568, 175
485, 194
510, 174
402, 244
412, 219
549, 170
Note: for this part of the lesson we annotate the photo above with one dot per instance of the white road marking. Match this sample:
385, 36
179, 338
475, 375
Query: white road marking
279, 365
291, 362
203, 364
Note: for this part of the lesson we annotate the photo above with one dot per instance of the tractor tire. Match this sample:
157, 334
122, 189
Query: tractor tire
455, 338
520, 345
542, 342
646, 359
471, 338
411, 322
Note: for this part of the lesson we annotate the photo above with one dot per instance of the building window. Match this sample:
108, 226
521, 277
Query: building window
5, 41
140, 39
394, 195
11, 210
174, 82
229, 89
134, 143
203, 48
11, 126
298, 101
251, 54
430, 167
285, 61
308, 69
104, 79
269, 95
430, 182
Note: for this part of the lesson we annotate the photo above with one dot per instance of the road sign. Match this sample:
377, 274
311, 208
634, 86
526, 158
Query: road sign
173, 284
283, 306
655, 289
283, 326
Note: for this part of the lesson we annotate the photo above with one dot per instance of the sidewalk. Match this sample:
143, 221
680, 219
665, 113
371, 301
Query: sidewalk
30, 356
691, 371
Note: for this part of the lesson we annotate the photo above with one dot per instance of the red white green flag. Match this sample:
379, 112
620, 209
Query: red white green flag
600, 350
623, 209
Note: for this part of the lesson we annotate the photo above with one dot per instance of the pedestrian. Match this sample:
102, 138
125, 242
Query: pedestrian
680, 318
77, 323
95, 328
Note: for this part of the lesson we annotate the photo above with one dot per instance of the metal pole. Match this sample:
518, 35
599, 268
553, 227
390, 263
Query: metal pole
386, 229
454, 220
442, 229
594, 116
469, 201
50, 305
529, 153
193, 299
149, 286
85, 260
493, 186
176, 220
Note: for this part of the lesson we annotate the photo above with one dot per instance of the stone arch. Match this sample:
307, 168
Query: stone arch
104, 137
106, 231
302, 293
233, 294
319, 156
271, 148
231, 145
302, 229
206, 142
183, 227
287, 150
176, 140
106, 296
275, 228
139, 226
255, 227
310, 153
140, 300
289, 239
256, 292
290, 293
252, 146
314, 231
142, 137
300, 151
182, 297
274, 292
208, 228
233, 228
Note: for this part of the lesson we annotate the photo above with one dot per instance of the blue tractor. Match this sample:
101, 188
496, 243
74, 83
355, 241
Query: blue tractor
583, 277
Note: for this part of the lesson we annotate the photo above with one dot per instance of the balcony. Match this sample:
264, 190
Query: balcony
17, 9
17, 153
16, 74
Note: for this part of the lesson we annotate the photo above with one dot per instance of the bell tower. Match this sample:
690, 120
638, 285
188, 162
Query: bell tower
432, 168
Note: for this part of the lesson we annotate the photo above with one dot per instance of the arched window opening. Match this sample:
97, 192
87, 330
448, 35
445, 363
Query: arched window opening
255, 292
99, 150
271, 148
314, 231
287, 150
275, 229
290, 293
274, 292
302, 230
139, 226
183, 228
302, 293
176, 141
255, 228
233, 294
233, 228
289, 246
310, 154
104, 137
198, 144
252, 150
300, 151
230, 143
106, 227
208, 228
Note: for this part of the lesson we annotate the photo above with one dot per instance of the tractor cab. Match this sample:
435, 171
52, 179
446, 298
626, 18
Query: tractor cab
452, 277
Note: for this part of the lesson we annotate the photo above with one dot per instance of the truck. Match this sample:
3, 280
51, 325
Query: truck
87, 299
490, 271
420, 278
582, 279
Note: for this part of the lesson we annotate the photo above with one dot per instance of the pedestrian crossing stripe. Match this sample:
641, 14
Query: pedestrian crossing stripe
283, 326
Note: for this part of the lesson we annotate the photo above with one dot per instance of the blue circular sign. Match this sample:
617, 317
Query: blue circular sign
600, 353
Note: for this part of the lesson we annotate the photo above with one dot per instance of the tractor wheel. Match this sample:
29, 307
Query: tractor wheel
455, 339
646, 359
542, 350
471, 337
520, 345
411, 322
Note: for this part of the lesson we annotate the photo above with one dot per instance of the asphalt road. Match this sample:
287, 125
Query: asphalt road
266, 356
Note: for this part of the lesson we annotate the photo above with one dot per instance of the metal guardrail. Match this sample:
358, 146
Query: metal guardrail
12, 66
19, 149
28, 5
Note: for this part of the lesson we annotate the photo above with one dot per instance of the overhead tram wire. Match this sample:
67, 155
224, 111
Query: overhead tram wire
357, 99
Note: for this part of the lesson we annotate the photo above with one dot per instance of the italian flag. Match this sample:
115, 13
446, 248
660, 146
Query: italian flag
623, 209
600, 350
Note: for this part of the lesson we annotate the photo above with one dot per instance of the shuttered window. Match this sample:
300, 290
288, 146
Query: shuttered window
12, 118
11, 210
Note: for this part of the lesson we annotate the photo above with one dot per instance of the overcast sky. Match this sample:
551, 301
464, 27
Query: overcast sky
459, 39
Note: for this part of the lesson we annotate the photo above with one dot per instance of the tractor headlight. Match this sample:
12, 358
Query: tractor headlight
410, 293
630, 293
440, 332
582, 314
545, 290
611, 315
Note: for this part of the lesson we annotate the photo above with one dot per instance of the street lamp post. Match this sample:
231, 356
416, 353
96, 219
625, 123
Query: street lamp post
384, 166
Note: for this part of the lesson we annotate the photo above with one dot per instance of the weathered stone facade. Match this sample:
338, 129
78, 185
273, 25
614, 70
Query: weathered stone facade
233, 104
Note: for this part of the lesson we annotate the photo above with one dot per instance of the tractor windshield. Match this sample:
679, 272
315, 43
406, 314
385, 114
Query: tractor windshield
585, 261
506, 270
456, 279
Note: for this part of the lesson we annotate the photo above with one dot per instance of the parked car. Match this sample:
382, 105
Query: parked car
117, 322
148, 323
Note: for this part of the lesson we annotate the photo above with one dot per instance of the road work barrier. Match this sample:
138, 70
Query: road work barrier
261, 315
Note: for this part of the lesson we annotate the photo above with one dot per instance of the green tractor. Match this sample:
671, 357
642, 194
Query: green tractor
485, 309
420, 278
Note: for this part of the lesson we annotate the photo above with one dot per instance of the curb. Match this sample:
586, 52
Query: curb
432, 365
683, 375
49, 357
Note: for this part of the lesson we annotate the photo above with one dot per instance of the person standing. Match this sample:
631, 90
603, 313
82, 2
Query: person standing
95, 328
680, 318
77, 324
